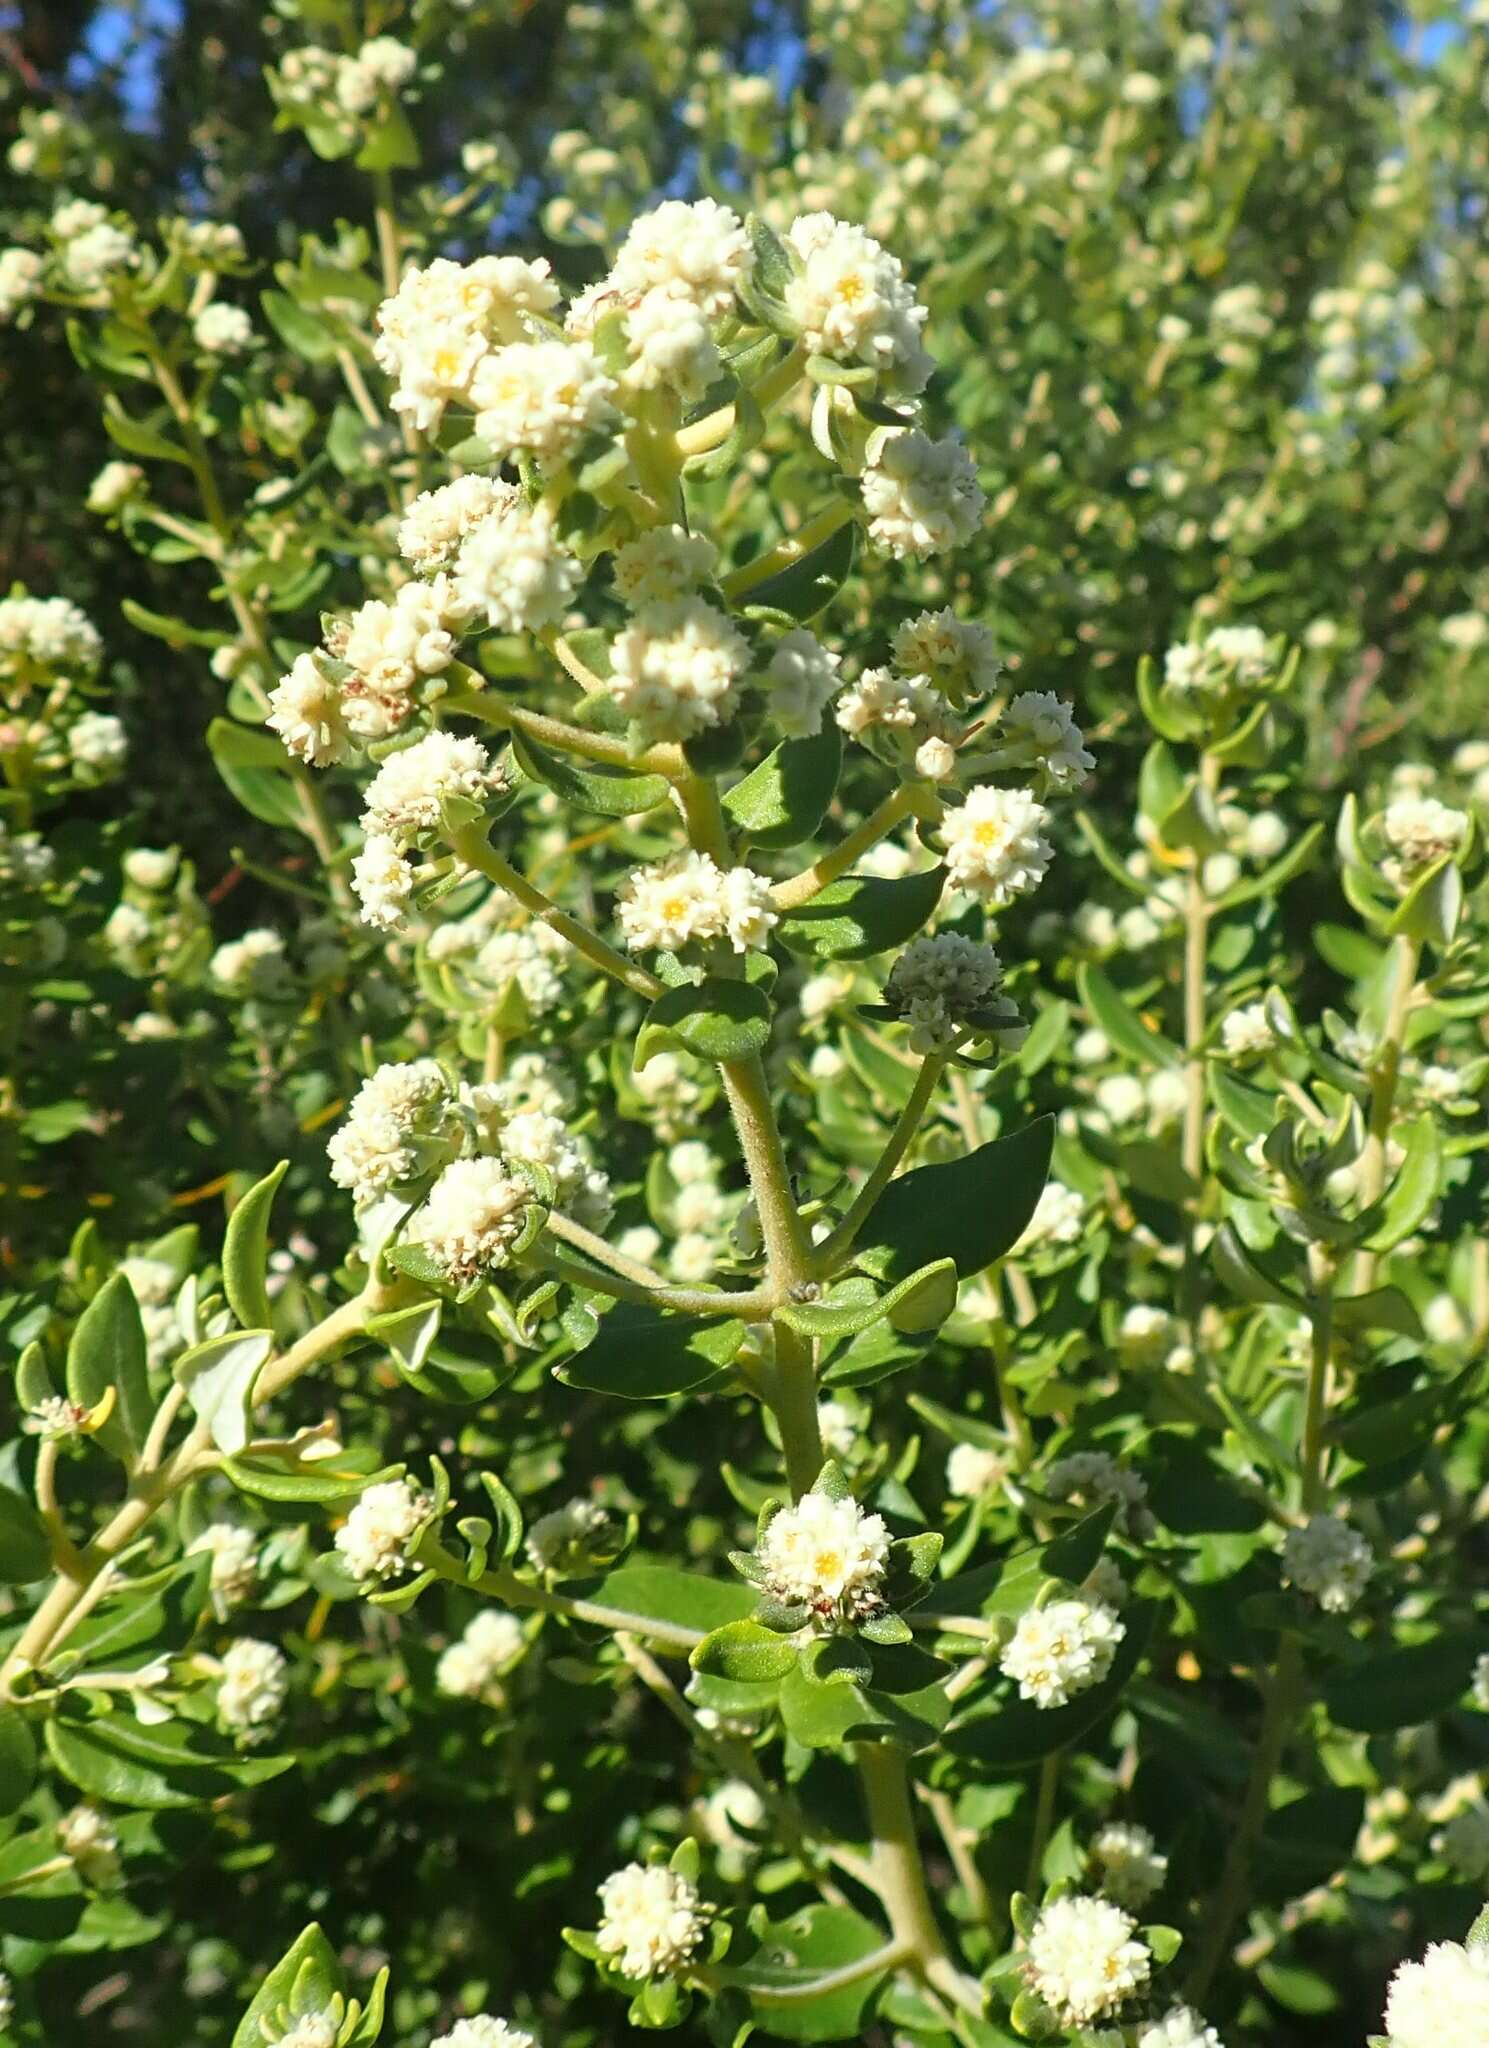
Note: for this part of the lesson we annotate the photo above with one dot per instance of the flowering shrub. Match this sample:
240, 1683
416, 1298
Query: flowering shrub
760, 1212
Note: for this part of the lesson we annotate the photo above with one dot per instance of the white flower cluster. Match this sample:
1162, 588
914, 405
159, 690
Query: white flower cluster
112, 488
1329, 1560
541, 398
253, 965
651, 1920
1126, 1864
675, 669
98, 742
801, 679
995, 844
567, 1536
401, 1125
234, 1551
531, 957
89, 1838
957, 655
689, 899
1059, 1218
310, 2030
407, 799
827, 1555
974, 1470
661, 564
94, 249
485, 2031
695, 252
1229, 660
1091, 1478
1442, 2001
375, 1537
1085, 1960
922, 496
50, 633
447, 320
491, 1643
908, 711
1062, 1649
471, 1219
22, 274
1419, 831
1247, 1033
1180, 2027
222, 329
852, 302
251, 1689
1038, 730
945, 986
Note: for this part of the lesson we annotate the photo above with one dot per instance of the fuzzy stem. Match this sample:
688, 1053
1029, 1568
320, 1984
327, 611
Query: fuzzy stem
820, 527
832, 1254
1384, 1078
801, 888
899, 1873
472, 847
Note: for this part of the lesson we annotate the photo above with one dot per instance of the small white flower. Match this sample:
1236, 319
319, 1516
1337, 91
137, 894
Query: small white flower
1039, 727
734, 1805
1145, 1334
251, 1689
1126, 1864
88, 1837
995, 844
1442, 2001
113, 487
469, 1668
837, 1428
1085, 1959
471, 1218
1420, 831
942, 983
1181, 2027
310, 2030
1329, 1560
699, 249
676, 668
973, 1471
661, 565
91, 259
374, 1539
305, 709
253, 965
438, 521
1247, 1033
541, 398
483, 2031
234, 1552
406, 796
802, 679
223, 330
852, 302
689, 898
444, 321
1059, 1218
1463, 631
827, 1555
1061, 1650
671, 345
651, 1920
21, 273
922, 496
957, 655
56, 1419
566, 1535
513, 573
98, 741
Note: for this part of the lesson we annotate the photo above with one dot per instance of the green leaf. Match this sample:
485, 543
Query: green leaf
795, 1953
611, 792
391, 144
1411, 1195
268, 1475
745, 1651
861, 915
135, 438
1401, 1688
644, 1355
25, 1548
659, 1592
1383, 1308
810, 585
160, 1611
784, 799
218, 1377
1244, 1276
856, 1304
255, 768
1121, 1024
1431, 908
175, 632
108, 1350
17, 1759
714, 1019
297, 329
972, 1210
1276, 877
174, 1763
305, 1980
245, 1252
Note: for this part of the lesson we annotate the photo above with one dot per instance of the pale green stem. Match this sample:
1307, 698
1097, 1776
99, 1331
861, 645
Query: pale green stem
832, 1254
493, 709
801, 888
820, 527
1384, 1079
715, 428
1044, 1819
899, 1873
472, 847
512, 1591
752, 1306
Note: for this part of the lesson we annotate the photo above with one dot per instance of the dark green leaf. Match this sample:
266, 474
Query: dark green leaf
862, 914
644, 1355
972, 1210
784, 799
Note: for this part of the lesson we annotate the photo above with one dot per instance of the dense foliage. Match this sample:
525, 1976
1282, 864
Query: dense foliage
742, 983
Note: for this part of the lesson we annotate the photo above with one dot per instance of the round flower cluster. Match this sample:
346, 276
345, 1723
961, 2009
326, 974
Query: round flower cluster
1085, 1960
995, 846
945, 986
405, 799
375, 1537
1091, 1478
802, 680
1229, 660
512, 572
1442, 2001
484, 2031
827, 1555
675, 669
310, 2030
401, 1126
973, 1470
1059, 1218
567, 1536
1247, 1033
1180, 2027
922, 496
89, 1838
46, 633
651, 1920
446, 320
471, 1219
1328, 1559
1420, 831
22, 273
253, 965
222, 330
1061, 1650
851, 301
251, 1689
56, 1419
389, 649
234, 1552
663, 563
470, 1668
541, 398
436, 523
958, 656
696, 251
1038, 730
907, 710
531, 957
1126, 1864
689, 898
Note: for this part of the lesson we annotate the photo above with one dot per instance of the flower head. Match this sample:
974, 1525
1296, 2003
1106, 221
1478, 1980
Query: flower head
1085, 1959
957, 655
1442, 2001
1126, 1864
251, 1688
1180, 2027
566, 1537
375, 1538
307, 712
651, 1920
470, 1667
946, 985
541, 398
827, 1555
407, 795
974, 1470
513, 573
483, 2031
689, 898
697, 249
852, 302
471, 1219
1061, 1650
801, 679
1328, 1559
995, 844
400, 1126
662, 564
676, 668
922, 496
1038, 729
